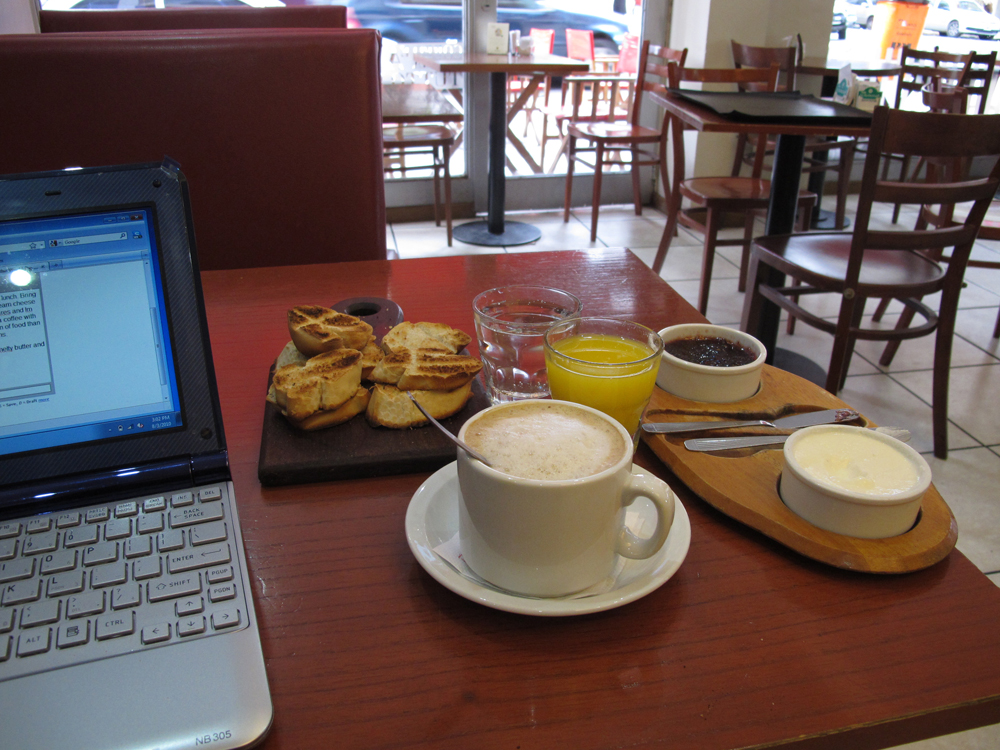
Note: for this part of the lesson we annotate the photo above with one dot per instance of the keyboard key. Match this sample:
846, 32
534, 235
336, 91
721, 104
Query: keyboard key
117, 528
34, 642
220, 574
167, 541
149, 523
207, 533
123, 510
21, 592
225, 618
15, 570
81, 535
99, 554
156, 633
111, 574
191, 605
73, 634
154, 504
209, 494
147, 567
65, 583
87, 603
123, 597
138, 546
179, 562
10, 529
6, 620
98, 515
181, 499
40, 613
172, 587
115, 626
222, 592
4, 647
8, 549
65, 520
59, 561
196, 514
36, 525
36, 544
191, 626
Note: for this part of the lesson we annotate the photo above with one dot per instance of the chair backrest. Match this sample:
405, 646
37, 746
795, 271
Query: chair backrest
628, 55
978, 77
653, 73
748, 56
282, 170
766, 79
580, 45
955, 138
314, 16
917, 67
944, 99
544, 40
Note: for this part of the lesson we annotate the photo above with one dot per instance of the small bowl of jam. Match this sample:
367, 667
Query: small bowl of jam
710, 363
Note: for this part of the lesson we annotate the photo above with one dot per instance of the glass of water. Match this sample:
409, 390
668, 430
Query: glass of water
511, 323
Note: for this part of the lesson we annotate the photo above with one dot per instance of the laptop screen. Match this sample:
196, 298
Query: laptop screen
85, 348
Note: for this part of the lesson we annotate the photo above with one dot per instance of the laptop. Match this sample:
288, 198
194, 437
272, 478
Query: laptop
126, 618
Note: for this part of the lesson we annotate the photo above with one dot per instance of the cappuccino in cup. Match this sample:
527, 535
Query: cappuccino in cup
548, 518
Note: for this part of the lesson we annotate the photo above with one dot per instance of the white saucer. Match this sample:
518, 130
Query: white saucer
432, 519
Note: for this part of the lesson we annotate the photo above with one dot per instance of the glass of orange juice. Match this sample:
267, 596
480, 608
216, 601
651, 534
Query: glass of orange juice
604, 363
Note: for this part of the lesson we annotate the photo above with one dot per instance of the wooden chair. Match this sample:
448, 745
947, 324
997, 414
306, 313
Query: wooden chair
714, 197
816, 149
615, 138
278, 175
878, 263
434, 140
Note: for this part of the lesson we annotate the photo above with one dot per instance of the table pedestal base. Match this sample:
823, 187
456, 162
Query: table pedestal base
514, 233
797, 364
826, 220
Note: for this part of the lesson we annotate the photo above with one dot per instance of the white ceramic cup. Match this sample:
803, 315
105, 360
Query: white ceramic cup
554, 537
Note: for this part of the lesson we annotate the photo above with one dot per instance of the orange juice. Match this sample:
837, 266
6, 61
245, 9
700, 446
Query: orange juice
612, 374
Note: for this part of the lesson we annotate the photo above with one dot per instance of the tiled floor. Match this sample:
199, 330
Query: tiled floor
898, 395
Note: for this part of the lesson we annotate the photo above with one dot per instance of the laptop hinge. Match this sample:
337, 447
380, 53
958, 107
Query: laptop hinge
211, 467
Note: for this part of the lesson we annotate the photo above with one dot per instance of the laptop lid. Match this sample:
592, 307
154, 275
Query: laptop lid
106, 380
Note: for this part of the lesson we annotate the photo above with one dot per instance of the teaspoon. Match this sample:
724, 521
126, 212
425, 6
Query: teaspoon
460, 443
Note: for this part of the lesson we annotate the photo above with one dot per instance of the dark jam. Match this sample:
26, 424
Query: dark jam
713, 351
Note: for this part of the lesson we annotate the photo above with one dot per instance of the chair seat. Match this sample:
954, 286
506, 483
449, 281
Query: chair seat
711, 189
613, 131
820, 259
417, 135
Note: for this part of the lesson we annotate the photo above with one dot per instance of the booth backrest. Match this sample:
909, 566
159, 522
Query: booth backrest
277, 131
307, 16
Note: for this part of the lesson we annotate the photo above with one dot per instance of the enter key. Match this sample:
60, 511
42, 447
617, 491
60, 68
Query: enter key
201, 557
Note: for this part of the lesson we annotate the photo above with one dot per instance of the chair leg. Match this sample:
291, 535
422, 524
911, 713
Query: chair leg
883, 305
569, 177
749, 219
843, 343
902, 178
741, 147
843, 182
942, 368
905, 318
447, 193
669, 231
996, 328
790, 324
636, 190
712, 221
598, 173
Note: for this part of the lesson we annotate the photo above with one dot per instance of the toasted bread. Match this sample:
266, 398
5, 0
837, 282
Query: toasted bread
391, 407
426, 370
290, 354
323, 383
355, 405
371, 355
425, 336
316, 329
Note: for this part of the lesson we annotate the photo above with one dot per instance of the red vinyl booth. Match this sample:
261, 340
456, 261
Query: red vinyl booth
277, 131
306, 16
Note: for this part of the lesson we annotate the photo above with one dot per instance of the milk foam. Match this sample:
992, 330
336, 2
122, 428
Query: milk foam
546, 441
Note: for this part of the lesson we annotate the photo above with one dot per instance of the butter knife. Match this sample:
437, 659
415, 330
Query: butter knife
702, 445
827, 416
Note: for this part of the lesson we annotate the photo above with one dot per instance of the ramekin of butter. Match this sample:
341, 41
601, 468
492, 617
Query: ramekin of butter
710, 363
853, 481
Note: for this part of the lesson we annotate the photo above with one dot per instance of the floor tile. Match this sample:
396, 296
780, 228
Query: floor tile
971, 399
918, 354
984, 738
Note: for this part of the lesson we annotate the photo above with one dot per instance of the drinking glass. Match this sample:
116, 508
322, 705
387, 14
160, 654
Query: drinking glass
606, 364
510, 324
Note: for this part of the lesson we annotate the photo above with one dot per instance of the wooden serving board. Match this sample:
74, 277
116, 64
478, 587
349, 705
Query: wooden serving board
743, 483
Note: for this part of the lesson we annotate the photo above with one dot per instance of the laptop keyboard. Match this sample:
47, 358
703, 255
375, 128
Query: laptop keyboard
96, 582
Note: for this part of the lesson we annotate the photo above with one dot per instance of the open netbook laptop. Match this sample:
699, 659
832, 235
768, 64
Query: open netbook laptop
126, 618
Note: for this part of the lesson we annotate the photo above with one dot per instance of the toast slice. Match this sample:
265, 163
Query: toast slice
371, 355
426, 370
316, 329
355, 405
425, 336
323, 383
391, 407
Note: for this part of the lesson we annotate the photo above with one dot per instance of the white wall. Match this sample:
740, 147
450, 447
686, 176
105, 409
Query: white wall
18, 17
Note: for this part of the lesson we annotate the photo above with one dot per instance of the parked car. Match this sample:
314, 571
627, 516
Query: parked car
861, 13
839, 26
439, 20
958, 17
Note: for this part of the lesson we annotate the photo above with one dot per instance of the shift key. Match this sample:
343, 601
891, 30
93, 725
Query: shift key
198, 557
172, 587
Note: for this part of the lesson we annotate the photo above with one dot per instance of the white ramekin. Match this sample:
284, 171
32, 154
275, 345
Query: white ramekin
704, 382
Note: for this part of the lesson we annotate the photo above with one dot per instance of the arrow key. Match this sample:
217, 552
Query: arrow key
156, 633
225, 618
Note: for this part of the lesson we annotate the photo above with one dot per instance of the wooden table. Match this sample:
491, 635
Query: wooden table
494, 231
748, 645
407, 103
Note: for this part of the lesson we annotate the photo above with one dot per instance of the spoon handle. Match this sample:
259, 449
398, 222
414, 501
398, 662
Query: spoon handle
475, 454
661, 428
